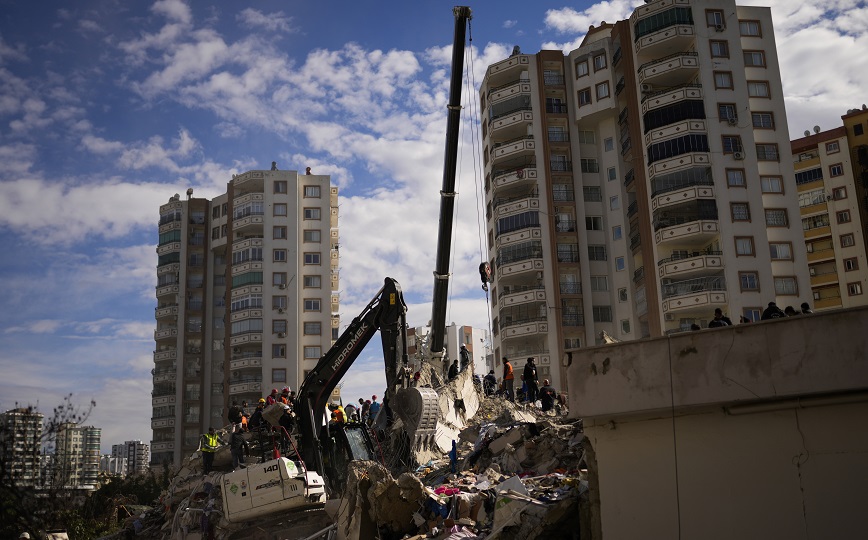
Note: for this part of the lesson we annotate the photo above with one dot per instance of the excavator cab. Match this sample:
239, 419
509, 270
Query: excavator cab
341, 444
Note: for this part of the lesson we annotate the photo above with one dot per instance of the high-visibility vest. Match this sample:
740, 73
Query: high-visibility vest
507, 371
210, 442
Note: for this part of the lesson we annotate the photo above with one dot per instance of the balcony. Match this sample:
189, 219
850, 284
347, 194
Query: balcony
675, 129
570, 287
821, 255
635, 241
161, 356
160, 423
825, 278
693, 231
523, 146
510, 90
253, 387
673, 70
683, 195
552, 79
561, 165
515, 296
158, 401
504, 206
563, 194
507, 70
669, 96
524, 328
514, 176
171, 247
694, 293
572, 319
166, 333
556, 108
167, 311
694, 263
521, 267
817, 232
678, 163
632, 209
162, 447
163, 375
628, 178
511, 123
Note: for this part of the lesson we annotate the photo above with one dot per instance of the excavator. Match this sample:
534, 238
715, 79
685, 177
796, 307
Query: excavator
320, 464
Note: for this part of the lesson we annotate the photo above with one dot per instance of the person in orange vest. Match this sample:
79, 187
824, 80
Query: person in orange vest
508, 380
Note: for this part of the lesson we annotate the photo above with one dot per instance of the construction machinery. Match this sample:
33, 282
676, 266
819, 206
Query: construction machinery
319, 466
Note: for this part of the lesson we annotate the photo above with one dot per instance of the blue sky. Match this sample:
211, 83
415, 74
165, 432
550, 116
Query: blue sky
107, 108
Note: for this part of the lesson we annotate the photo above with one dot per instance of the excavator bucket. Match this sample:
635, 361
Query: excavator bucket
418, 409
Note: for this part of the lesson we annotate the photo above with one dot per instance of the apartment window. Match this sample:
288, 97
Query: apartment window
313, 351
581, 68
726, 111
598, 253
750, 28
753, 314
808, 176
594, 223
740, 211
851, 264
754, 59
723, 79
786, 286
614, 202
584, 96
847, 240
278, 326
312, 213
278, 302
312, 282
223, 230
744, 246
749, 281
714, 17
587, 137
772, 184
602, 90
719, 49
278, 375
611, 173
758, 89
589, 165
839, 193
313, 328
278, 350
280, 186
815, 222
843, 216
781, 251
763, 120
836, 170
278, 278
312, 258
312, 304
592, 193
599, 283
833, 147
858, 130
854, 289
625, 326
776, 217
608, 146
215, 233
280, 209
622, 294
616, 232
602, 313
767, 152
279, 255
731, 144
279, 233
311, 191
735, 178
312, 235
620, 265
599, 62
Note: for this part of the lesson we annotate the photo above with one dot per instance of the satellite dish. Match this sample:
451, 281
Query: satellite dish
807, 133
816, 129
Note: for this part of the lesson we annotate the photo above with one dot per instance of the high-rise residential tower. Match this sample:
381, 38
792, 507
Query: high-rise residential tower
20, 447
136, 455
639, 182
76, 457
246, 299
832, 180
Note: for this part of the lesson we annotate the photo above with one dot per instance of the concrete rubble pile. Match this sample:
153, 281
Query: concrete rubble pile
516, 473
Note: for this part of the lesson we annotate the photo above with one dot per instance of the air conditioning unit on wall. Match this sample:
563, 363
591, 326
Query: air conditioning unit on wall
738, 155
647, 88
732, 120
669, 317
281, 335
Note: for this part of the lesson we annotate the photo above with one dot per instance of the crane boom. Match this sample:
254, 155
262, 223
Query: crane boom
447, 193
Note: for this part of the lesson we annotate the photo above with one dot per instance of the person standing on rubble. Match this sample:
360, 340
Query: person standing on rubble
547, 395
453, 370
235, 413
508, 380
373, 409
531, 380
489, 383
464, 355
238, 446
208, 444
256, 418
364, 406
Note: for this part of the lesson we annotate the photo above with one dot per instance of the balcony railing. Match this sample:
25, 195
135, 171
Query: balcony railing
695, 285
670, 89
616, 57
518, 322
552, 79
628, 179
620, 86
639, 274
556, 109
666, 58
559, 136
568, 256
500, 172
241, 380
575, 319
561, 166
633, 208
517, 255
562, 195
680, 257
565, 225
635, 241
515, 289
495, 116
681, 185
672, 219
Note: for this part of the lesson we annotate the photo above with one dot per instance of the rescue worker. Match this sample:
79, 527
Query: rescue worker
508, 380
208, 444
238, 446
547, 396
284, 396
256, 418
235, 413
489, 383
373, 409
271, 399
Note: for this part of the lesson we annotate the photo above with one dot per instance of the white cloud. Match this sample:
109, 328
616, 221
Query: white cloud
98, 145
568, 20
174, 10
253, 18
87, 25
509, 23
7, 52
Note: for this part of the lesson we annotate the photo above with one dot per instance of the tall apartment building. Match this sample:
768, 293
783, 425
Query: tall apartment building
76, 456
831, 177
20, 447
137, 455
638, 183
114, 465
246, 299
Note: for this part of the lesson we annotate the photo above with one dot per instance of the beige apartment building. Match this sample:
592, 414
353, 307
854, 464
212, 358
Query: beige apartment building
831, 184
76, 457
639, 182
246, 299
